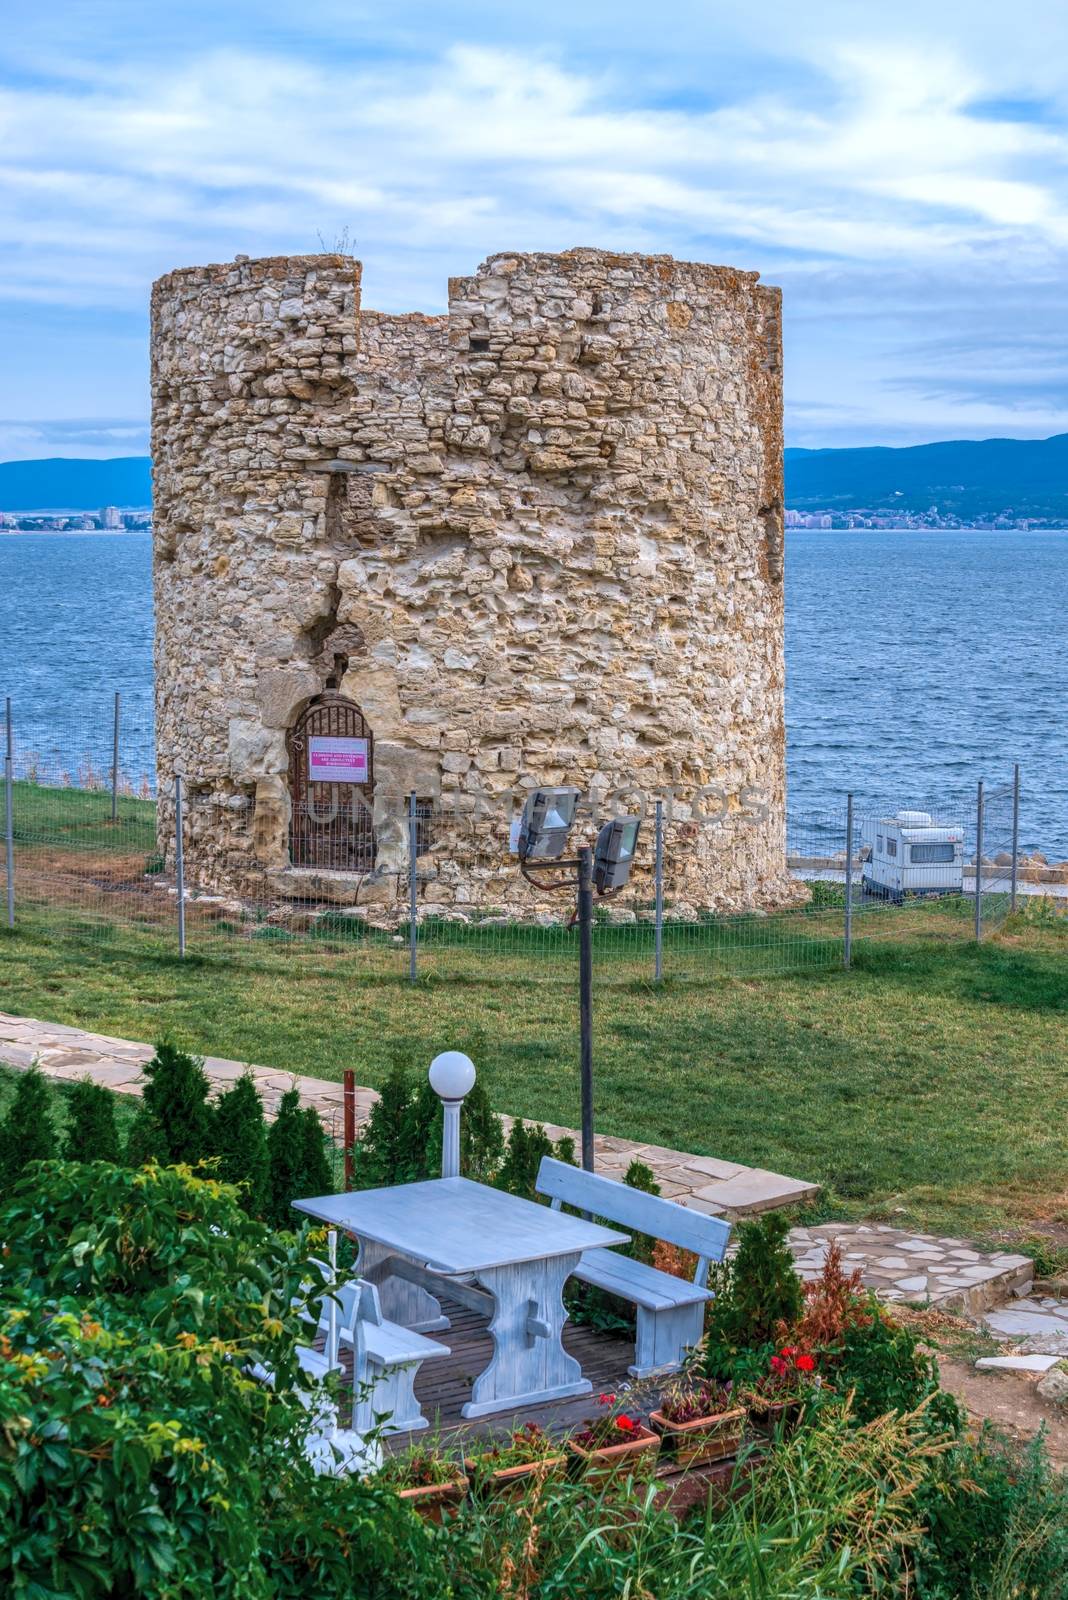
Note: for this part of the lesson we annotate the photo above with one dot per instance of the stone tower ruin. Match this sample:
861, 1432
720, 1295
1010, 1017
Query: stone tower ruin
536, 540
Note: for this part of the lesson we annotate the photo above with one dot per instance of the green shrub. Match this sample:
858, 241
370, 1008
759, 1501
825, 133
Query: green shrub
346, 1538
27, 1132
522, 1157
137, 1457
168, 1251
241, 1143
297, 1155
390, 1148
145, 1140
92, 1134
315, 1166
527, 1144
639, 1176
177, 1121
481, 1136
997, 1524
882, 1364
757, 1293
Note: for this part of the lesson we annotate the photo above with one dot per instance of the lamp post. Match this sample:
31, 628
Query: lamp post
543, 832
452, 1077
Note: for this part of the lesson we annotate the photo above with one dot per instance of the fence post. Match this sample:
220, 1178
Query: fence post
413, 888
847, 949
1015, 833
115, 763
179, 861
659, 881
979, 864
9, 802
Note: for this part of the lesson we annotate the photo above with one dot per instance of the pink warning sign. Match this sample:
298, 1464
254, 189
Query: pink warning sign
337, 760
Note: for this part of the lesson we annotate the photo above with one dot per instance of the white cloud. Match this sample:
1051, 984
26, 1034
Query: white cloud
841, 156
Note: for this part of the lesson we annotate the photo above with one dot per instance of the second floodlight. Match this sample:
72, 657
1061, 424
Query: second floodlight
546, 823
613, 854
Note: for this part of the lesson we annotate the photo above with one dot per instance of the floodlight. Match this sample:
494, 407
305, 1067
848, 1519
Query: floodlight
613, 854
546, 823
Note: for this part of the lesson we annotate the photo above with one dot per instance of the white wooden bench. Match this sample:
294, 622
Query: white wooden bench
670, 1311
385, 1357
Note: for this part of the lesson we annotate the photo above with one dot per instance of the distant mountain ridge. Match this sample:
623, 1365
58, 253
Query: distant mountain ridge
960, 477
64, 483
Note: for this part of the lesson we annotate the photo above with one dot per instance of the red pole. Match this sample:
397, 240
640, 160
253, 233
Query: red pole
349, 1099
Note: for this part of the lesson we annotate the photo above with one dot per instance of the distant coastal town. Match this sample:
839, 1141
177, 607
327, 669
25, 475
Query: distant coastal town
932, 519
109, 519
118, 519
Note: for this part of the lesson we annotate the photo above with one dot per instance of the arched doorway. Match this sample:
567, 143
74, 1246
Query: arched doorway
331, 783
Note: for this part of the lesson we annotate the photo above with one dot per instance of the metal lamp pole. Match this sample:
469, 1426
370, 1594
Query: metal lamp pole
585, 925
579, 875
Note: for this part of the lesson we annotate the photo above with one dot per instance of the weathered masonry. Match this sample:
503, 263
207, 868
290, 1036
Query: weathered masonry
538, 539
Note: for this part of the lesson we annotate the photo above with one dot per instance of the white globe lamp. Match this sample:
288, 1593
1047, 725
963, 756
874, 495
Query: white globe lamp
452, 1076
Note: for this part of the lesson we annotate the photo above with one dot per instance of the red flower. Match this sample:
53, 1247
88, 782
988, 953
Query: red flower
805, 1364
626, 1424
607, 1399
778, 1364
789, 1351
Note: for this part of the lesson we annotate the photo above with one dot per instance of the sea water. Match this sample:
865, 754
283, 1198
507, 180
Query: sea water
917, 662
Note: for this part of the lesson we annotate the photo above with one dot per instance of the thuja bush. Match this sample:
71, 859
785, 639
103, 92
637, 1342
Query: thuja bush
175, 1122
527, 1144
27, 1132
138, 1457
240, 1142
92, 1133
298, 1164
758, 1294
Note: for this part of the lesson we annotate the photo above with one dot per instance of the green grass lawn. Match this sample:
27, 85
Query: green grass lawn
928, 1086
80, 819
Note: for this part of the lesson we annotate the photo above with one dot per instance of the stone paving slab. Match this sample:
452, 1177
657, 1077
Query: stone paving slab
1016, 1363
1035, 1319
717, 1188
917, 1267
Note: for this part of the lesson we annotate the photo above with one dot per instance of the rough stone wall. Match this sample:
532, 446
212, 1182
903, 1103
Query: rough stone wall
537, 540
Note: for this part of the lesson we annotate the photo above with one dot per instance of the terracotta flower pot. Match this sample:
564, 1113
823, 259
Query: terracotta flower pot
505, 1480
705, 1439
768, 1414
607, 1460
434, 1501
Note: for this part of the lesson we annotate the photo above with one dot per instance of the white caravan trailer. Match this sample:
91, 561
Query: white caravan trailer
909, 854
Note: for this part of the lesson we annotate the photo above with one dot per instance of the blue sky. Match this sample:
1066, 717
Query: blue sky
899, 169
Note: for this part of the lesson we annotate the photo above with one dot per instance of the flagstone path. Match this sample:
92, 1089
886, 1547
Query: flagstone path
897, 1264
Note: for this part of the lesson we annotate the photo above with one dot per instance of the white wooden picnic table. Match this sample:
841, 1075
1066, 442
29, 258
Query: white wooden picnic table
489, 1250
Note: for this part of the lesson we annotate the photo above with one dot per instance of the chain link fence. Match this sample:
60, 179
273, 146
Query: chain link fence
84, 860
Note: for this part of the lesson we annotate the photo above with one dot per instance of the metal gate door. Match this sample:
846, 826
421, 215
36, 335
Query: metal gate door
330, 826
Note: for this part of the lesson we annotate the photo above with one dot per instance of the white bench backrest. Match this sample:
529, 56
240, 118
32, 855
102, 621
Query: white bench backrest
705, 1237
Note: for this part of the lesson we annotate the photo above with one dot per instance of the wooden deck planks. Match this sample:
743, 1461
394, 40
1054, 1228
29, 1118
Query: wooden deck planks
444, 1386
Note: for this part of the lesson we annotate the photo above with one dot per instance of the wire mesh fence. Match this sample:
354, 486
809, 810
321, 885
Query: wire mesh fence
89, 854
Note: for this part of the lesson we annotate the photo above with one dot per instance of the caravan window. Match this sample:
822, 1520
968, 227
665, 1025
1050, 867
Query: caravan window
879, 843
929, 853
891, 847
